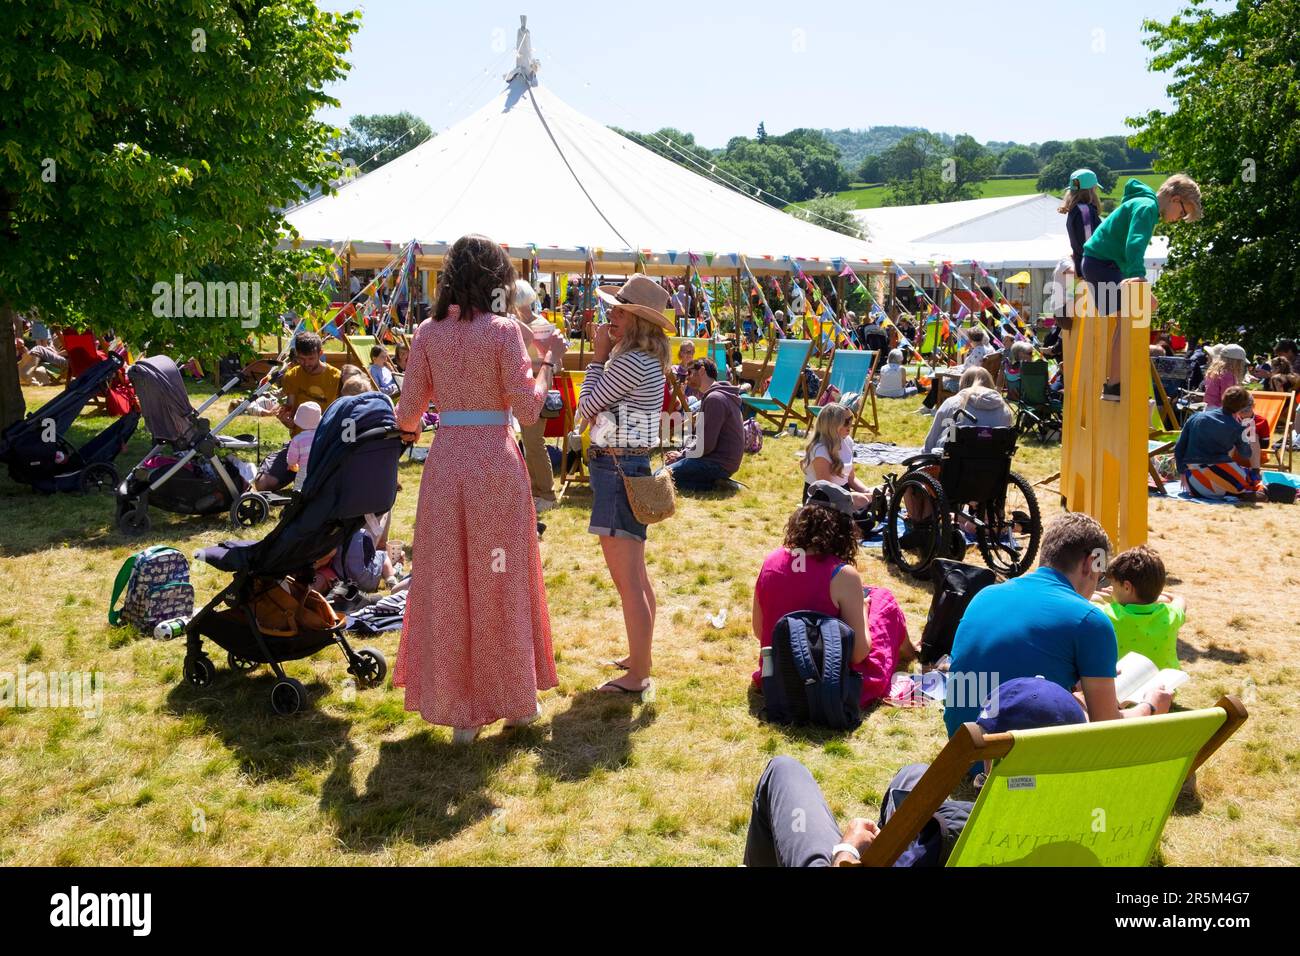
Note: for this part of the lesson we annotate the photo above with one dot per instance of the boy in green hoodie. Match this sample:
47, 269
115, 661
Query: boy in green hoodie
1116, 253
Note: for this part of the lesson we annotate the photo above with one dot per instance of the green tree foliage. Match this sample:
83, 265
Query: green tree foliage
830, 212
139, 140
869, 171
1054, 177
1236, 131
921, 169
761, 135
1049, 149
371, 141
1018, 161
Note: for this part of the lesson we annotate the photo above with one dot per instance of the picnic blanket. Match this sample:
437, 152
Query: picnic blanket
1174, 490
882, 453
384, 615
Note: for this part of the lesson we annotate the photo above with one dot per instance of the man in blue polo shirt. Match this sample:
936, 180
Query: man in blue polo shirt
1042, 624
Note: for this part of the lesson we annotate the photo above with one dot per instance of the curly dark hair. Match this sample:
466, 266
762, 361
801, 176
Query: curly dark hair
820, 531
477, 276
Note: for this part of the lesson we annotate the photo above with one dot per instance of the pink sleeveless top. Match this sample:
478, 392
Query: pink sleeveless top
781, 590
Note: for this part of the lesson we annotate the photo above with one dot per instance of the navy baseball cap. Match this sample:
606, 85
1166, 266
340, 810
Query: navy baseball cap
1029, 702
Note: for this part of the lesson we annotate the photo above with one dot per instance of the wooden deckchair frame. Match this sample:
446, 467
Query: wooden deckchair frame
578, 473
969, 745
787, 408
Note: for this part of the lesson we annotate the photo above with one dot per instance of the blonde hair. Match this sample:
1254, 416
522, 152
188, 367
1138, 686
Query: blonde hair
688, 344
975, 381
1183, 187
1219, 365
642, 335
830, 420
1073, 197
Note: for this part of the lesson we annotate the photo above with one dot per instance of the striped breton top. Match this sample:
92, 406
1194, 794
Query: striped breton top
624, 399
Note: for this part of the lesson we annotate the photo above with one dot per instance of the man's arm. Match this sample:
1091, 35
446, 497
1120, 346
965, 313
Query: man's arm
1102, 704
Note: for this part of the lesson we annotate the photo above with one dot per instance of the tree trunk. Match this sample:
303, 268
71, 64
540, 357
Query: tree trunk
12, 406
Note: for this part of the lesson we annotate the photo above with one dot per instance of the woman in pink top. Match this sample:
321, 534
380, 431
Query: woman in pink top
476, 638
814, 570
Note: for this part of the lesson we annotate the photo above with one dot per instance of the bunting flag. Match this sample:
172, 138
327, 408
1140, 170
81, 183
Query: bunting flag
672, 257
708, 258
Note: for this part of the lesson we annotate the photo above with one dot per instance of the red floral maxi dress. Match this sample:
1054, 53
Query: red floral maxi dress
476, 638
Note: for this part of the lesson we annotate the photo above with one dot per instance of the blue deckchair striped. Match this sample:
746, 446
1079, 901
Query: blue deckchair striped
850, 372
777, 406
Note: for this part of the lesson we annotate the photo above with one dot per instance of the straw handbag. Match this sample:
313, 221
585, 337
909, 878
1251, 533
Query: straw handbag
652, 497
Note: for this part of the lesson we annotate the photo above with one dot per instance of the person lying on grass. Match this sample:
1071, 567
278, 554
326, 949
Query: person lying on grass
815, 569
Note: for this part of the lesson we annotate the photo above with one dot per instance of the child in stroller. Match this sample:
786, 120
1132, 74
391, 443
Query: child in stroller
348, 480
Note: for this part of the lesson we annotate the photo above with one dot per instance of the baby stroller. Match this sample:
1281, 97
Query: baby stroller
37, 449
352, 473
189, 470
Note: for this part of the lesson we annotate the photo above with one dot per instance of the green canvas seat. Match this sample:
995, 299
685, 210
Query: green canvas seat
1083, 795
850, 372
777, 405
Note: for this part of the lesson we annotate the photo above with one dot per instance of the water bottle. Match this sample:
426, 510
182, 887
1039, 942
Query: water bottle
768, 667
170, 630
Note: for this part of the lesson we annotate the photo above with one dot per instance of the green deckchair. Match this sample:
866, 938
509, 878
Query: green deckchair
777, 406
1082, 795
850, 372
718, 356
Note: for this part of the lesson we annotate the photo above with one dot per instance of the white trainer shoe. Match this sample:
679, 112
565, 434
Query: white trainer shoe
463, 736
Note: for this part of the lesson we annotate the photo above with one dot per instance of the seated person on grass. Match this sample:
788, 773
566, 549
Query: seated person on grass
716, 447
1145, 618
893, 378
1218, 451
1042, 624
790, 823
815, 569
829, 457
311, 379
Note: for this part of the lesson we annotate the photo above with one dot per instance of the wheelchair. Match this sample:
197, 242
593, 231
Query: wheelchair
975, 490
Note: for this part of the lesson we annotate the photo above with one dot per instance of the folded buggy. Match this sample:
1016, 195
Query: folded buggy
38, 452
189, 470
269, 614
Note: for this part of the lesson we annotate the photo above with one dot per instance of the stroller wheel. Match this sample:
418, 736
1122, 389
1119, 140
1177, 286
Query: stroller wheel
97, 478
198, 670
239, 663
370, 667
249, 510
134, 521
288, 696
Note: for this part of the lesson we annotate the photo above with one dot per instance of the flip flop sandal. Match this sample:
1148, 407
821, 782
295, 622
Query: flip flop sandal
619, 665
609, 687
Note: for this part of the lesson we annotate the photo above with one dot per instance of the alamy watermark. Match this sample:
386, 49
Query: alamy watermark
76, 690
208, 300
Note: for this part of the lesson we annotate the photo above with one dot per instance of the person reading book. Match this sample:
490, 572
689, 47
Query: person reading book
1145, 617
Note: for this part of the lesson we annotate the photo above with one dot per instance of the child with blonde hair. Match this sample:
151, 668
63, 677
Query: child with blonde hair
1227, 368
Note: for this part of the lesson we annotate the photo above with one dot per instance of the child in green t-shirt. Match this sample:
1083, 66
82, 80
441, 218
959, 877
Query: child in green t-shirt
1146, 619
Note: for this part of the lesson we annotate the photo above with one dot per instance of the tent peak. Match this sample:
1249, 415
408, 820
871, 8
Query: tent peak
525, 65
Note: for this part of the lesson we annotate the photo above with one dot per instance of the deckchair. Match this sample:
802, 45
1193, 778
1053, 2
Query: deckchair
1278, 409
569, 384
718, 356
777, 406
1080, 795
850, 373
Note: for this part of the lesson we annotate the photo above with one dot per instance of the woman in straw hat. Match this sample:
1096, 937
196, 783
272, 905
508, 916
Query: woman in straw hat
476, 640
623, 398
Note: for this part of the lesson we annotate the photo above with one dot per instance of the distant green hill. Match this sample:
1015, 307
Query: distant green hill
873, 197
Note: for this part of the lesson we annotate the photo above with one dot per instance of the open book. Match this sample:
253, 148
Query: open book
1137, 676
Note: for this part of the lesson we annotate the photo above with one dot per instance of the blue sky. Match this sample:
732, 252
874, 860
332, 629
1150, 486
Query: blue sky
1013, 70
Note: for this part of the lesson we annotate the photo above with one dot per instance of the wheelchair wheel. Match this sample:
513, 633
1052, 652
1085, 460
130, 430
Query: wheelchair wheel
916, 549
1011, 529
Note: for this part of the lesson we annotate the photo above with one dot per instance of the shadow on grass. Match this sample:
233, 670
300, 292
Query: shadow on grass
423, 789
818, 736
1187, 654
237, 708
595, 733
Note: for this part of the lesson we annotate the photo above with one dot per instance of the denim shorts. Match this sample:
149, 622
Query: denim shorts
611, 514
1103, 279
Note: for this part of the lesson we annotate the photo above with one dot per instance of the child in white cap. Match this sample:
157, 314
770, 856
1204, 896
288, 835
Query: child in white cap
307, 417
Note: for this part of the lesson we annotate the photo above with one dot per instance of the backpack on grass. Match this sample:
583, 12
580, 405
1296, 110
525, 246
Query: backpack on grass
954, 586
811, 681
156, 585
753, 434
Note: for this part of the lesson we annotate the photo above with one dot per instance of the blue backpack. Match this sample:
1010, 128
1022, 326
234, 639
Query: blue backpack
360, 562
811, 681
154, 586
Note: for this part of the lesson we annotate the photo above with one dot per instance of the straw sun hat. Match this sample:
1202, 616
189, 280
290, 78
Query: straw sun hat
641, 296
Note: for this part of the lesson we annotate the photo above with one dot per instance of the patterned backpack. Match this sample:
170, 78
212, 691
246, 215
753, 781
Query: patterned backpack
753, 433
157, 586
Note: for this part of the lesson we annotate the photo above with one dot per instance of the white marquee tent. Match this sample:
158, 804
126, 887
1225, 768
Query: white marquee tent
531, 172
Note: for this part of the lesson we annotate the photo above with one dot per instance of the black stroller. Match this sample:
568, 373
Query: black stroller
352, 473
37, 449
189, 470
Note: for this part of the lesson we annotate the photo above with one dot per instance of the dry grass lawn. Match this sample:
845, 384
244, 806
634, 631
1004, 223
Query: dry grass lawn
173, 775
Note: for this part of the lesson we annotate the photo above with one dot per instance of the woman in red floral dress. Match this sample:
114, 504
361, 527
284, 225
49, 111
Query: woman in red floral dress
476, 639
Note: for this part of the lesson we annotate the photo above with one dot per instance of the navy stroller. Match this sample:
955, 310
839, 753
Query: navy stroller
189, 470
352, 472
37, 449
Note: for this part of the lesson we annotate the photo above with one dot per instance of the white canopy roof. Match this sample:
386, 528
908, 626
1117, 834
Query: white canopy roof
1008, 232
530, 171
